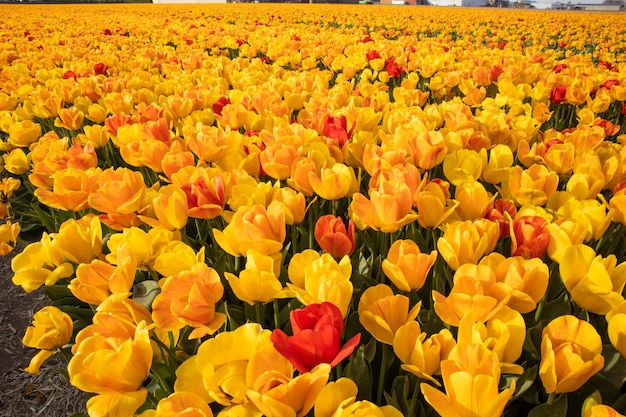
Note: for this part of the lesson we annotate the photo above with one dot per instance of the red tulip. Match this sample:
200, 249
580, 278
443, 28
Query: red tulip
337, 128
529, 238
557, 95
496, 213
219, 104
392, 67
331, 234
316, 338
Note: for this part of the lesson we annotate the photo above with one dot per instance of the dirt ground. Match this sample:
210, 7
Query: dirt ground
23, 395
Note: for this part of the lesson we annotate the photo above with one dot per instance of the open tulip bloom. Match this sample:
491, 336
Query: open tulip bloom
270, 210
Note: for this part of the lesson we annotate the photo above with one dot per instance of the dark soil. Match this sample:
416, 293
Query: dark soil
21, 394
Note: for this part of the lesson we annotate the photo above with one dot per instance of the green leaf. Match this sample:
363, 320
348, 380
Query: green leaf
400, 391
558, 408
145, 292
614, 365
560, 306
524, 382
360, 372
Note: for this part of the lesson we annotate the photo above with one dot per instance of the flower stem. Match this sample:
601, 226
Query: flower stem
381, 375
276, 314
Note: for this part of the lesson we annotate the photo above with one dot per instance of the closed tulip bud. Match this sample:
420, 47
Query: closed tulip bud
382, 313
406, 266
571, 353
474, 200
51, 329
333, 237
434, 206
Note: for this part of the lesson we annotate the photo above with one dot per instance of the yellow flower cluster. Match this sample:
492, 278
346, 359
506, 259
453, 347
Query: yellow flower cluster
294, 210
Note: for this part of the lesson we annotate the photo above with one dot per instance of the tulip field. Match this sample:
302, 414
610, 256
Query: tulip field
291, 210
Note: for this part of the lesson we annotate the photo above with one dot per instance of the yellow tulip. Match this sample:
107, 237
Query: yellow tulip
22, 134
335, 182
504, 334
175, 257
71, 119
189, 299
525, 280
337, 399
387, 210
180, 404
293, 203
315, 279
8, 237
462, 242
70, 189
258, 282
471, 376
51, 329
571, 353
473, 199
406, 266
146, 246
170, 207
218, 371
500, 163
464, 165
94, 282
420, 355
77, 241
116, 317
532, 186
563, 234
382, 313
34, 268
595, 283
433, 206
475, 291
256, 227
114, 369
617, 328
16, 162
281, 396
118, 191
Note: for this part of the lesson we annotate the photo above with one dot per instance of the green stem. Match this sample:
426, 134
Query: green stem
381, 375
276, 314
413, 403
294, 239
257, 309
551, 398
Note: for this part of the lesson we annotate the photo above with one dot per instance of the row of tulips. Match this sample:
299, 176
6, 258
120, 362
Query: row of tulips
271, 210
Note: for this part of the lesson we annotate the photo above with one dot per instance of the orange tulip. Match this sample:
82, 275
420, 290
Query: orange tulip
332, 236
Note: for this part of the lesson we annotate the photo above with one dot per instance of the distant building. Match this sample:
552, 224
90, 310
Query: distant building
459, 3
591, 5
